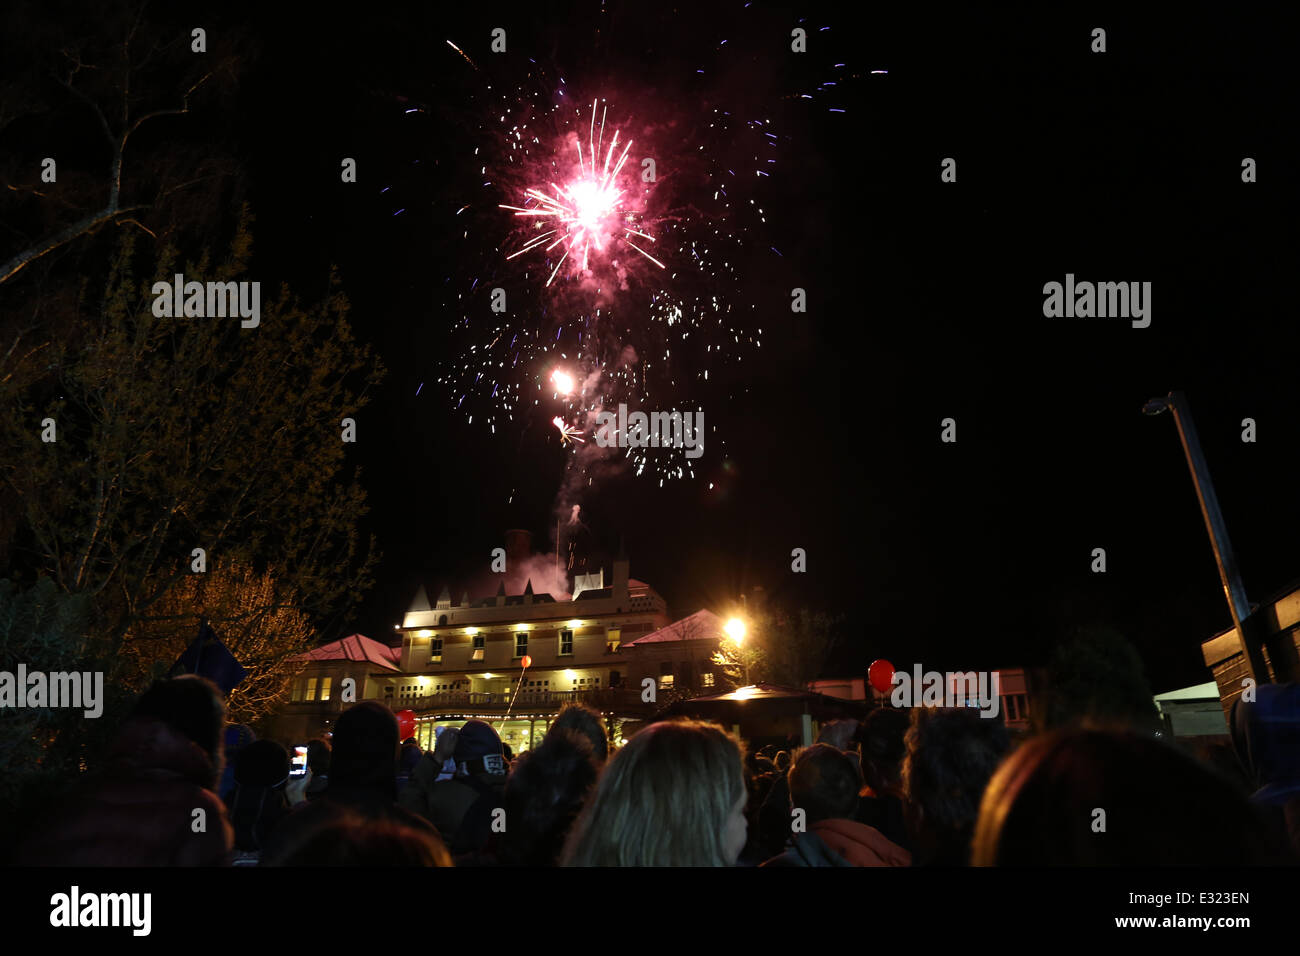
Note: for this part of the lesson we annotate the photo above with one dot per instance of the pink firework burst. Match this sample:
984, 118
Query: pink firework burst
587, 213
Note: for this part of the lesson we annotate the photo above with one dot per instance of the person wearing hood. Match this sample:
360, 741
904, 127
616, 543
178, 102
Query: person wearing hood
1266, 736
824, 784
259, 802
462, 808
162, 770
407, 761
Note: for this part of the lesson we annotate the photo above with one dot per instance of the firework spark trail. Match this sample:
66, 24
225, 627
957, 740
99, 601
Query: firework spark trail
587, 209
462, 53
567, 432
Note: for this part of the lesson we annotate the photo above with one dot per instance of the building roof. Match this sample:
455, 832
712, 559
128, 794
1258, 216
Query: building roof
703, 625
761, 692
772, 699
357, 647
1206, 691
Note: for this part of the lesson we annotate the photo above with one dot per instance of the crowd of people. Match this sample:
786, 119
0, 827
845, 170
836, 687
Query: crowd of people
919, 787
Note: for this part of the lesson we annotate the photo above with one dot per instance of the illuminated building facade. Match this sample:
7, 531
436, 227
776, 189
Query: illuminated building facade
466, 660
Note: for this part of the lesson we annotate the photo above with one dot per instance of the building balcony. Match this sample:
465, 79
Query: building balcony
620, 700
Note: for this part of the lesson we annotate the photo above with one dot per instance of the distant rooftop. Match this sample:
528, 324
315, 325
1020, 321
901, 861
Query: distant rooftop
356, 647
1206, 691
703, 625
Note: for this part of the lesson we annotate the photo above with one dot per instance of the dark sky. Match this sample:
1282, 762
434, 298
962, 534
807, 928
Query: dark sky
925, 301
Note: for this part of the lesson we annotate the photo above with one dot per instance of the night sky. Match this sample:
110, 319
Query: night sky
925, 302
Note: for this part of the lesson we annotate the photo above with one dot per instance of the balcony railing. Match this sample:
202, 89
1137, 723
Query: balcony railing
602, 699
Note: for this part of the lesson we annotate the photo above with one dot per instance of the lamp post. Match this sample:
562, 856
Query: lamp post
1229, 575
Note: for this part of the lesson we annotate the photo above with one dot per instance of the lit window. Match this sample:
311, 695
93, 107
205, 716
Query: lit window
708, 679
613, 637
325, 688
478, 648
666, 674
521, 643
311, 688
435, 651
566, 643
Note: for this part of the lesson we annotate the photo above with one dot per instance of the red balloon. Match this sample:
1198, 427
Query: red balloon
881, 675
527, 662
405, 724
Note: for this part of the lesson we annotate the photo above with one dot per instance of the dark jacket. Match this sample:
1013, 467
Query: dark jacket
336, 803
140, 811
462, 809
447, 804
884, 813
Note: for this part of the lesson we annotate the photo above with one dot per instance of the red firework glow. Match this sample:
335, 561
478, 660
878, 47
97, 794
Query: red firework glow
587, 212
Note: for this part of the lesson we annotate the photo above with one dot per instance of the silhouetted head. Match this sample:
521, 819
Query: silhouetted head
350, 839
192, 705
880, 739
364, 753
1097, 797
587, 722
951, 754
824, 783
544, 795
263, 764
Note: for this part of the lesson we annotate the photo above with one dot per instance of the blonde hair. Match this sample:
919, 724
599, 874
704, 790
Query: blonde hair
663, 800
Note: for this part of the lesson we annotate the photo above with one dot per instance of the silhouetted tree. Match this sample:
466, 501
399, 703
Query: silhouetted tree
1097, 676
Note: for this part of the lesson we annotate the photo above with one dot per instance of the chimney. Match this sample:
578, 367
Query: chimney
519, 546
620, 579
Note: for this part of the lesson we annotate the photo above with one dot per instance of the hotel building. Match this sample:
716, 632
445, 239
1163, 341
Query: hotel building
458, 661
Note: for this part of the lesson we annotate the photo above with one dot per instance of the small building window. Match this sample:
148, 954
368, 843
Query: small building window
478, 648
613, 638
435, 651
325, 687
521, 643
666, 674
311, 689
566, 643
707, 677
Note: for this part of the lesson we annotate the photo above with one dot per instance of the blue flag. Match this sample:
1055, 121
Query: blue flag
208, 657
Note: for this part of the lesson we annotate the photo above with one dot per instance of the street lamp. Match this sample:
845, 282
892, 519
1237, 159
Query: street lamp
1229, 575
736, 630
